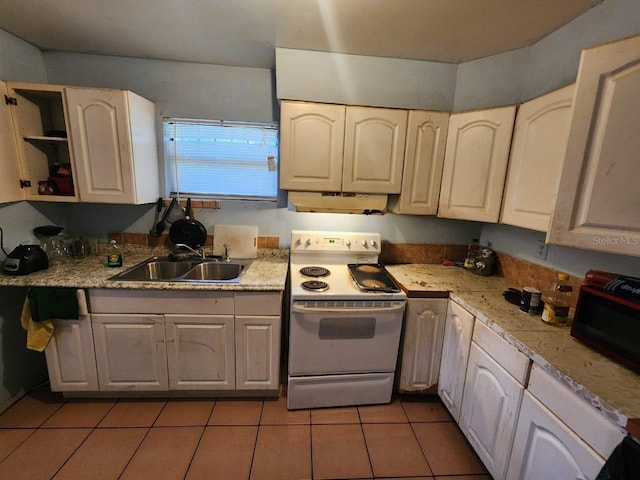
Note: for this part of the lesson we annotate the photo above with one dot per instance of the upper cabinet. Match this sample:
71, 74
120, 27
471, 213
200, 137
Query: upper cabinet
374, 150
311, 146
10, 190
84, 144
598, 197
113, 140
475, 164
423, 162
341, 148
537, 155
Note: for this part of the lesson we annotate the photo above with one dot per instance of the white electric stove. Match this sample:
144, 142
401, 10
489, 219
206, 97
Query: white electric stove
346, 320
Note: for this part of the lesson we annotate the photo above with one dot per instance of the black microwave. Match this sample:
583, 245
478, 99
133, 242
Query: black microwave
608, 324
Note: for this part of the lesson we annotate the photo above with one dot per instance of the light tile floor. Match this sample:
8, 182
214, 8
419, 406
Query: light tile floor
44, 436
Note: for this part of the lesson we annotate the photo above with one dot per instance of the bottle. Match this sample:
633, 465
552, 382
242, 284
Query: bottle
473, 252
114, 257
558, 302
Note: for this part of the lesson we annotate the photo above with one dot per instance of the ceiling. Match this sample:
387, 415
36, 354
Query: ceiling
245, 32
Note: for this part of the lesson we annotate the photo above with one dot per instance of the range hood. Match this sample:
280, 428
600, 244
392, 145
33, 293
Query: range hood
336, 202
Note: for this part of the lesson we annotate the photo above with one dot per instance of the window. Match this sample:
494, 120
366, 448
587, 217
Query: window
220, 159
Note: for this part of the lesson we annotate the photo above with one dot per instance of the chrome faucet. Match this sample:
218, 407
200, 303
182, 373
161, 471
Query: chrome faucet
199, 251
227, 258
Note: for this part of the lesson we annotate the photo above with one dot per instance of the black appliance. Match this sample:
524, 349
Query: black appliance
25, 259
609, 324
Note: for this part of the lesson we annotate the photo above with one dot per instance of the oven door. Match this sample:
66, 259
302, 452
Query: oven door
344, 336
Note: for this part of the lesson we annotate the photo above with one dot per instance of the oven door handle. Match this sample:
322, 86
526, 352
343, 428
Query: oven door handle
396, 307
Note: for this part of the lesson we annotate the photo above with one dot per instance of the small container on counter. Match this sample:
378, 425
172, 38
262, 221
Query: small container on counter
114, 256
531, 300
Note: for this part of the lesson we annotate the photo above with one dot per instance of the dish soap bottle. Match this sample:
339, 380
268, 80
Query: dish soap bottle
557, 304
114, 257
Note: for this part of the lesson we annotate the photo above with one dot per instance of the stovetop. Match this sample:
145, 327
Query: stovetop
333, 251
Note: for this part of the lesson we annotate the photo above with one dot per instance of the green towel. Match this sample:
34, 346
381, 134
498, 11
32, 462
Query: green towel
53, 303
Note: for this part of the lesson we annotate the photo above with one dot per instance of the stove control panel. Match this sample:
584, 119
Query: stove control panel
336, 242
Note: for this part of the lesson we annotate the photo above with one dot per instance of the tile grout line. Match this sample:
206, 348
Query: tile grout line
204, 429
418, 440
93, 429
255, 442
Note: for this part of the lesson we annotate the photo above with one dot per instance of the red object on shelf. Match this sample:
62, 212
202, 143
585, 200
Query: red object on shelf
64, 185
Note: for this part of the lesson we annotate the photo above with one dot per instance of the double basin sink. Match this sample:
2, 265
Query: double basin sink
165, 269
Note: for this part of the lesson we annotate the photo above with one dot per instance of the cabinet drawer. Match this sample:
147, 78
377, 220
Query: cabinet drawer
576, 413
513, 361
160, 301
258, 303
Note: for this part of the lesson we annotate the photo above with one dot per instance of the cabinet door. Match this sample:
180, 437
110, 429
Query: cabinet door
544, 448
101, 143
130, 352
200, 352
10, 190
598, 196
257, 352
423, 162
71, 360
311, 146
489, 410
455, 353
475, 164
40, 124
374, 142
537, 154
422, 346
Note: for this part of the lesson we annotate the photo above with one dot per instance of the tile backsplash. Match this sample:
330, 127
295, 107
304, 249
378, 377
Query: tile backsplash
146, 240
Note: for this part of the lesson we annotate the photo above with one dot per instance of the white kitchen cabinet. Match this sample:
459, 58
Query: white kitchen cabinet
10, 190
335, 148
112, 134
559, 435
492, 398
41, 134
258, 332
475, 164
423, 163
70, 354
537, 155
104, 139
374, 143
455, 354
311, 146
546, 449
422, 343
598, 196
200, 352
207, 341
130, 352
257, 352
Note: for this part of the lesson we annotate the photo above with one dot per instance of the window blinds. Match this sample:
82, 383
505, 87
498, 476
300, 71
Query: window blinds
220, 159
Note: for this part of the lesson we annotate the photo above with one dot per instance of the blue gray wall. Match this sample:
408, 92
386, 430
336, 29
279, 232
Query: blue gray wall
20, 369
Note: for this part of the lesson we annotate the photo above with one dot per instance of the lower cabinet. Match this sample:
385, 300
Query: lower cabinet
422, 343
70, 356
130, 352
546, 449
455, 354
186, 341
492, 396
559, 435
200, 352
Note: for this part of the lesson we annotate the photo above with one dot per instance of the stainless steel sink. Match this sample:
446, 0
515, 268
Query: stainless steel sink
215, 271
161, 269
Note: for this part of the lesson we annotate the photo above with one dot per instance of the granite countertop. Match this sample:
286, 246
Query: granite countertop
267, 272
611, 388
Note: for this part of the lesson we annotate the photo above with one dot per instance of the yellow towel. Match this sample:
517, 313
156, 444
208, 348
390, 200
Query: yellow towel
38, 333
